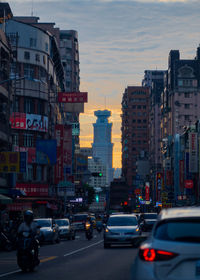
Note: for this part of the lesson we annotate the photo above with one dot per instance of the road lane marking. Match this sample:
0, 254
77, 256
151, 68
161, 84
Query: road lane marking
48, 259
82, 249
19, 270
9, 273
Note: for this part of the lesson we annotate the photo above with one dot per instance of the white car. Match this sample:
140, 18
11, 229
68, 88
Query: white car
172, 251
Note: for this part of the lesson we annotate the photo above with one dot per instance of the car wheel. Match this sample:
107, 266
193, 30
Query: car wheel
106, 245
74, 237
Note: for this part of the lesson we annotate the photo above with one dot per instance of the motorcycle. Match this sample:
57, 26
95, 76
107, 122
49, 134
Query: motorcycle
26, 254
99, 226
88, 231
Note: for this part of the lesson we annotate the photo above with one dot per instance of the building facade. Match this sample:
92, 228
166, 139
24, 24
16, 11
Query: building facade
135, 135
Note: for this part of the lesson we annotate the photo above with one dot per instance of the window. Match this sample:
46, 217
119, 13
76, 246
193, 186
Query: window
28, 140
16, 104
187, 106
187, 95
15, 139
44, 60
27, 55
28, 176
46, 47
144, 107
40, 107
37, 57
133, 121
144, 121
187, 117
33, 42
29, 71
29, 106
138, 121
139, 106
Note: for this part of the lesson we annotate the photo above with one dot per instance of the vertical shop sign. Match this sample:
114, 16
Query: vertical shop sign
147, 190
59, 134
193, 162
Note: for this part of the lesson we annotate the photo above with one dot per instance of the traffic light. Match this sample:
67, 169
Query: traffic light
97, 174
97, 198
125, 203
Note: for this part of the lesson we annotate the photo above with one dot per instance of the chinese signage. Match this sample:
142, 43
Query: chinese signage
193, 162
29, 122
20, 206
147, 189
189, 184
59, 135
72, 97
33, 189
13, 162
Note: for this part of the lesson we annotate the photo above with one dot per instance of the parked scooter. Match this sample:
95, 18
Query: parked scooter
27, 259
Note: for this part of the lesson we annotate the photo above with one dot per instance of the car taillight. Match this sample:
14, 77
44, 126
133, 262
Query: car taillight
152, 255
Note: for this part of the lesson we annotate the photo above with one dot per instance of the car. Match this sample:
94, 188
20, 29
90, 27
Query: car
49, 231
66, 230
172, 250
147, 221
121, 229
79, 220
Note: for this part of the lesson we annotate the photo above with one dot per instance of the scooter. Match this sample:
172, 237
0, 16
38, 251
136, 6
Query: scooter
99, 226
88, 231
26, 257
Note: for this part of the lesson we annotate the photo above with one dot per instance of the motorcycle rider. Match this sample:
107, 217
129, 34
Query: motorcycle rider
89, 225
30, 226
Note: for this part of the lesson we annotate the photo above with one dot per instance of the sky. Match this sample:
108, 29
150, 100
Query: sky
118, 40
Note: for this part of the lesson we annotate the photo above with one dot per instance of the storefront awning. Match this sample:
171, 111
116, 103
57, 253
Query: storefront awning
5, 199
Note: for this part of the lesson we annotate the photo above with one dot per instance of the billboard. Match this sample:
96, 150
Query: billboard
13, 162
31, 153
29, 122
72, 97
46, 151
33, 190
59, 135
193, 159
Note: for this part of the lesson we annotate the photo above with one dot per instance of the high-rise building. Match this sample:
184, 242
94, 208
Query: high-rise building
181, 98
154, 79
102, 145
135, 112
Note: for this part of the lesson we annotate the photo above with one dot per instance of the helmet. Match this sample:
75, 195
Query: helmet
28, 217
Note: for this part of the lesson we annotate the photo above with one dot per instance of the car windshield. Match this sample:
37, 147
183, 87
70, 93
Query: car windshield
183, 230
62, 223
44, 223
150, 216
80, 218
122, 221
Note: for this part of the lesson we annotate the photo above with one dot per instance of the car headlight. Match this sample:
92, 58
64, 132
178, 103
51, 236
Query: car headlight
137, 229
106, 230
54, 230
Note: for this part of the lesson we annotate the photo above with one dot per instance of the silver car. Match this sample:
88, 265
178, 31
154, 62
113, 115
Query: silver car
49, 231
121, 229
172, 251
66, 230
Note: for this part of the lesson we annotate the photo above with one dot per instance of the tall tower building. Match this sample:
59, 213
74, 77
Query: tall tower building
102, 146
135, 112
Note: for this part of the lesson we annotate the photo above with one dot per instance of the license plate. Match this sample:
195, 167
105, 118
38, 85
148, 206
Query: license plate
198, 268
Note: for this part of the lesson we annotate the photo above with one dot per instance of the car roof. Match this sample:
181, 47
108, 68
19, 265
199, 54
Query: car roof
59, 219
123, 215
182, 212
42, 219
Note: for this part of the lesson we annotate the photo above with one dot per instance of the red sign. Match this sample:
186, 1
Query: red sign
72, 97
20, 206
189, 184
18, 120
59, 134
33, 189
67, 145
147, 197
31, 153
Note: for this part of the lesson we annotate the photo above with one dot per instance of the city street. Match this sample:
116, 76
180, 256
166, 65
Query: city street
79, 259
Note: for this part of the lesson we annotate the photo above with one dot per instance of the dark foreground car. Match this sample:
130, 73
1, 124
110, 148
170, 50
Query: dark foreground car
172, 251
66, 230
121, 229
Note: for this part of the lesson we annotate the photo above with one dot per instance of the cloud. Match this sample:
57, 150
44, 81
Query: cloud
118, 40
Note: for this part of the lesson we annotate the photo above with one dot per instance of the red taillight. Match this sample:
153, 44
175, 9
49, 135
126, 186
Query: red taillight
151, 255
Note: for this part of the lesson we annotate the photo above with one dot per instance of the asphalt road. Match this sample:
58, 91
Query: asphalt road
78, 259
